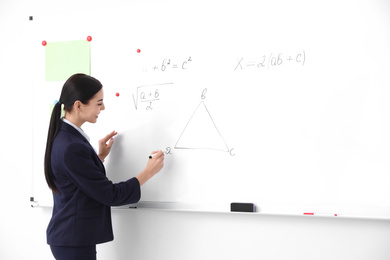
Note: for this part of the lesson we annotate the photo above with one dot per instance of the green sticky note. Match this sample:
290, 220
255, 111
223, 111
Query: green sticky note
63, 59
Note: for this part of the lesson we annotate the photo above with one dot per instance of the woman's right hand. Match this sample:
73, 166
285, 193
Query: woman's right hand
154, 165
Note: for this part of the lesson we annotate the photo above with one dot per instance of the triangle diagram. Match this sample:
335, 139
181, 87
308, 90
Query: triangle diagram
201, 132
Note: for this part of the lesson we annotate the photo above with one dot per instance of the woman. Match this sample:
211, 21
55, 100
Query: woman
75, 173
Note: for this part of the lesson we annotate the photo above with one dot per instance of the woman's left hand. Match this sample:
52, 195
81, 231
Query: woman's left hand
104, 147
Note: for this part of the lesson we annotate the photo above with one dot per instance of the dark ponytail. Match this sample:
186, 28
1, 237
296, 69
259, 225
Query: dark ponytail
79, 87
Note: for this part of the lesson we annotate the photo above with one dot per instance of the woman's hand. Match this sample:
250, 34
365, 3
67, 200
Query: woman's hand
154, 165
104, 147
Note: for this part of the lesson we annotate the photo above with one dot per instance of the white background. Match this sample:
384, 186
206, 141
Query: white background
154, 234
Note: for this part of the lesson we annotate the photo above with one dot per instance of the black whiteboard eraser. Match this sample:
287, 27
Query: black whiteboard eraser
242, 207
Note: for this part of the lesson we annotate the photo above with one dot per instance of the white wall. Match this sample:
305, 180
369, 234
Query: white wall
148, 234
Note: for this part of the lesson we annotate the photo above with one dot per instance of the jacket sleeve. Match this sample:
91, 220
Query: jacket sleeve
87, 173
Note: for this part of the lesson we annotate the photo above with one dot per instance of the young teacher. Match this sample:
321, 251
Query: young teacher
76, 175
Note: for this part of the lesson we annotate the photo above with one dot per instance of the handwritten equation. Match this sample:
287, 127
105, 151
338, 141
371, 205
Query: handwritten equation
147, 96
271, 60
169, 64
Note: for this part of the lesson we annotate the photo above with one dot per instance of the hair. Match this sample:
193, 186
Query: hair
79, 87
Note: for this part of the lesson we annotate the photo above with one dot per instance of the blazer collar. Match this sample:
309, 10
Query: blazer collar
72, 130
81, 131
68, 128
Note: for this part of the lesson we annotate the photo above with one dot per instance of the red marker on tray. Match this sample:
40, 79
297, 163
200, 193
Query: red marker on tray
319, 214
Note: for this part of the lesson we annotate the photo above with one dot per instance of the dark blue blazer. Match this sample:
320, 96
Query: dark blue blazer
81, 212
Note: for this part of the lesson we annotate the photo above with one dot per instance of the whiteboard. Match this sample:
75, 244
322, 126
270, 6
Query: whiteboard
282, 104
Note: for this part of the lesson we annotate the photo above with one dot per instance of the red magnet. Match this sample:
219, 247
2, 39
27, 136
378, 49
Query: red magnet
44, 43
89, 38
117, 94
138, 50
